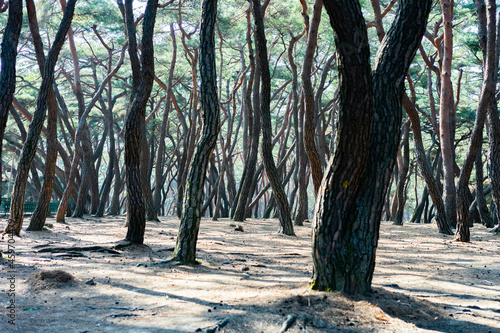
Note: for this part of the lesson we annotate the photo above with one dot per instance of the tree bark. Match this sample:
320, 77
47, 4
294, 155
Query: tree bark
35, 128
444, 226
345, 172
8, 67
245, 191
185, 249
403, 175
39, 216
134, 125
487, 92
286, 226
307, 88
161, 146
445, 114
349, 206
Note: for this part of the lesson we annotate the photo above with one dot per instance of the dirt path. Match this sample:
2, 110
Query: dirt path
249, 281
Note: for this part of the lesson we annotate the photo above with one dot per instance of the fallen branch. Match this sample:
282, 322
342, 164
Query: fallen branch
92, 248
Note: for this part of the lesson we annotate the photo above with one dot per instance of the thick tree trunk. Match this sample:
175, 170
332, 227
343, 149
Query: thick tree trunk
185, 249
286, 226
349, 207
134, 125
35, 128
348, 166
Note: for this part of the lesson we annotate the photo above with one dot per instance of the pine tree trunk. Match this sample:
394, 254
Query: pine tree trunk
185, 249
134, 125
161, 146
350, 203
8, 67
286, 226
310, 109
400, 188
39, 216
35, 128
444, 226
446, 109
487, 91
245, 191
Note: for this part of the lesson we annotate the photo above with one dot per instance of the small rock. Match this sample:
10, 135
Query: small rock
90, 282
245, 268
239, 228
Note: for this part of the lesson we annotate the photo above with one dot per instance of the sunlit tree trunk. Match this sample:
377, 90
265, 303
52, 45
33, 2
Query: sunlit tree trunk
349, 206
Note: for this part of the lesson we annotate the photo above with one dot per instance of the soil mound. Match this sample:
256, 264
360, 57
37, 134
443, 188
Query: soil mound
50, 279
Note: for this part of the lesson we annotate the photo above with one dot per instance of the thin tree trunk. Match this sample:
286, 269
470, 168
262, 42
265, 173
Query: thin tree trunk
445, 110
286, 226
403, 175
310, 109
161, 147
487, 91
245, 191
442, 222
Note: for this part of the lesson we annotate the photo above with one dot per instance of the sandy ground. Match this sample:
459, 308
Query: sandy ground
250, 281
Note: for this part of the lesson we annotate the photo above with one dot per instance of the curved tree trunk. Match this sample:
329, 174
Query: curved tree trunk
348, 166
134, 125
245, 191
298, 119
286, 226
350, 203
35, 128
185, 249
161, 146
8, 67
310, 113
39, 216
444, 226
487, 91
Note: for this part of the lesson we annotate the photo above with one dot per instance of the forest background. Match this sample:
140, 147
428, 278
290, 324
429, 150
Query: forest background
95, 83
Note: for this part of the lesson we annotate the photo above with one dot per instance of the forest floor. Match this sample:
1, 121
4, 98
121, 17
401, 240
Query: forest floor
248, 281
